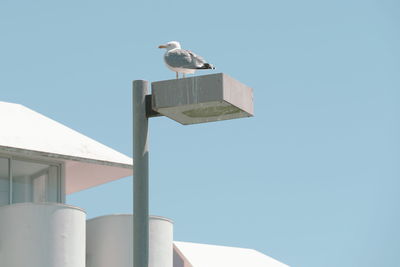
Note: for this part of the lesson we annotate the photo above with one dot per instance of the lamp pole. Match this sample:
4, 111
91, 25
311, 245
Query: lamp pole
191, 100
141, 176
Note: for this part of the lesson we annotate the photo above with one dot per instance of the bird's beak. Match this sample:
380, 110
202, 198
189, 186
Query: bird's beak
162, 46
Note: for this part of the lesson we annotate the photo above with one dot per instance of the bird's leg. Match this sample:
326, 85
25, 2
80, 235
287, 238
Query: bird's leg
177, 75
184, 76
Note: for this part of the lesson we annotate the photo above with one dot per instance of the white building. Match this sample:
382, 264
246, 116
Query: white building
41, 161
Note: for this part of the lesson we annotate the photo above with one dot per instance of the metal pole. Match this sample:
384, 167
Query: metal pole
141, 176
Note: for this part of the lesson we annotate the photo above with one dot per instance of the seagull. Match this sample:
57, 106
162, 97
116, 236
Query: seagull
183, 61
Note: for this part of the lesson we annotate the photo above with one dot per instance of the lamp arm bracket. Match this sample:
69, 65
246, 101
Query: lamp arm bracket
150, 112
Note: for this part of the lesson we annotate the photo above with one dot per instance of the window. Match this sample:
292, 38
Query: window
4, 181
29, 181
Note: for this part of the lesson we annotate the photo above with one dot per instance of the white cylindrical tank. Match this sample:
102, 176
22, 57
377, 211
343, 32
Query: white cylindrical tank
109, 241
42, 235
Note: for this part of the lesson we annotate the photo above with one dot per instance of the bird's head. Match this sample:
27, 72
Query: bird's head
171, 45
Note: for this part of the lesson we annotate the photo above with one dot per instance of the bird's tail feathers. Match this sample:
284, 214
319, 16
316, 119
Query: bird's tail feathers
207, 66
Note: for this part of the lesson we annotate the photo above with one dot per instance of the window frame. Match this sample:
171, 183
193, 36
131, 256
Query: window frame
60, 173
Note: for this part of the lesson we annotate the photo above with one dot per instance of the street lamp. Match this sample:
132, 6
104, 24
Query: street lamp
191, 100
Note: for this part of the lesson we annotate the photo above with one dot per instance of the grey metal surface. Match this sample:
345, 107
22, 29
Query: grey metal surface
201, 99
150, 112
141, 176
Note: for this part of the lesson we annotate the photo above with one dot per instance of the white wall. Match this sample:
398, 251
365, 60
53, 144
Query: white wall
110, 241
42, 235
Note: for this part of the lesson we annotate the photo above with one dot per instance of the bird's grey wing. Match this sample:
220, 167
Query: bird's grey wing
181, 58
197, 61
178, 58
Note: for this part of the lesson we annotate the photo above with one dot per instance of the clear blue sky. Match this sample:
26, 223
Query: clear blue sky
313, 180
